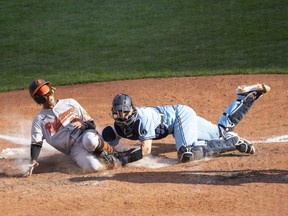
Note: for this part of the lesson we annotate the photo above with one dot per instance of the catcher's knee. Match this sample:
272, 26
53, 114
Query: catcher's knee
185, 154
189, 153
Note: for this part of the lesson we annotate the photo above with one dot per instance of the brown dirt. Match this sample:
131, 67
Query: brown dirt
231, 184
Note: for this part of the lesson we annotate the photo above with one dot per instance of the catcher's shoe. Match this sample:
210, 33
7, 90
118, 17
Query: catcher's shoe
245, 146
258, 88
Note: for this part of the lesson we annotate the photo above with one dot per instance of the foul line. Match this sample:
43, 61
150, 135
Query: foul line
276, 139
24, 141
17, 140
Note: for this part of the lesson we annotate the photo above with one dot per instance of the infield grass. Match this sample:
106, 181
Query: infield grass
71, 41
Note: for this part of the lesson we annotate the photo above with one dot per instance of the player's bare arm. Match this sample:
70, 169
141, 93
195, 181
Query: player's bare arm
146, 147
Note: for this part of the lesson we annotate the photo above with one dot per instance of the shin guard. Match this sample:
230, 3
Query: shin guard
236, 111
210, 148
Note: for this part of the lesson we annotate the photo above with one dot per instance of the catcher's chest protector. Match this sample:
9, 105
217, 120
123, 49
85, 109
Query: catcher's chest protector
161, 131
132, 132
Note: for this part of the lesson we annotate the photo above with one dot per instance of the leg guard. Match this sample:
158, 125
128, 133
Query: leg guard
214, 147
236, 111
208, 148
243, 145
219, 146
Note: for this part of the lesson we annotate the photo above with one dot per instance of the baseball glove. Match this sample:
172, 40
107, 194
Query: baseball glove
129, 156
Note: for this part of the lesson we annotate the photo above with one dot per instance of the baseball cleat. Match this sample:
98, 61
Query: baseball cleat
114, 162
259, 88
109, 159
244, 146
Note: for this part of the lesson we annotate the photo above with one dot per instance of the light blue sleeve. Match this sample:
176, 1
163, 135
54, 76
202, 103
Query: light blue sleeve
150, 119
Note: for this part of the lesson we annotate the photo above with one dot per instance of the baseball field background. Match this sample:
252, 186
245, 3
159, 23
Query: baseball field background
70, 41
159, 52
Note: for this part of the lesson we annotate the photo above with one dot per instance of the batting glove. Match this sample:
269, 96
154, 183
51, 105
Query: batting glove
31, 167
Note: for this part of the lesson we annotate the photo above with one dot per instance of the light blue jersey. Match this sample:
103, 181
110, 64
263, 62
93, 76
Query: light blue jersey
188, 129
180, 120
192, 133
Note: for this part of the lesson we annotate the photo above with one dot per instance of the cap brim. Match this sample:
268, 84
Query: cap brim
43, 90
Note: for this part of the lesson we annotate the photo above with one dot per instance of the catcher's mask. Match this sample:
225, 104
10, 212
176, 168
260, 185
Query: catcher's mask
39, 89
123, 111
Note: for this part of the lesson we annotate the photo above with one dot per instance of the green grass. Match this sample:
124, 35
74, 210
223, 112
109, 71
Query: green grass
71, 41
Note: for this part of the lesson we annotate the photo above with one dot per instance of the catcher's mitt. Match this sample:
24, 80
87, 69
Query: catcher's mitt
129, 156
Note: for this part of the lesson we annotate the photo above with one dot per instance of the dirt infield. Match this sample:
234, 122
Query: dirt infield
231, 184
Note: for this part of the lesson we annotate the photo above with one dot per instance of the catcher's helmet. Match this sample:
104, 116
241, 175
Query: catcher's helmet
37, 89
122, 103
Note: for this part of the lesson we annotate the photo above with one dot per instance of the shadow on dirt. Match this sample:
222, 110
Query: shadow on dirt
236, 177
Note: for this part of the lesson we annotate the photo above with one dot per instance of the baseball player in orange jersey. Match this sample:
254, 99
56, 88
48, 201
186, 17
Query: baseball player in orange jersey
66, 126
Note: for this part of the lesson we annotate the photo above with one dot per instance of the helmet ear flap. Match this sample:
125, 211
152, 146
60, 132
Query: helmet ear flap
39, 99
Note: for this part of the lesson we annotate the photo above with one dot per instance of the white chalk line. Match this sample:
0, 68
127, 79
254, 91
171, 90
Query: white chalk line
13, 139
276, 139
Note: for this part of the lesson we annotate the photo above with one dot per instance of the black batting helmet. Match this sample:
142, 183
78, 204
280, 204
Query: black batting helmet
37, 89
